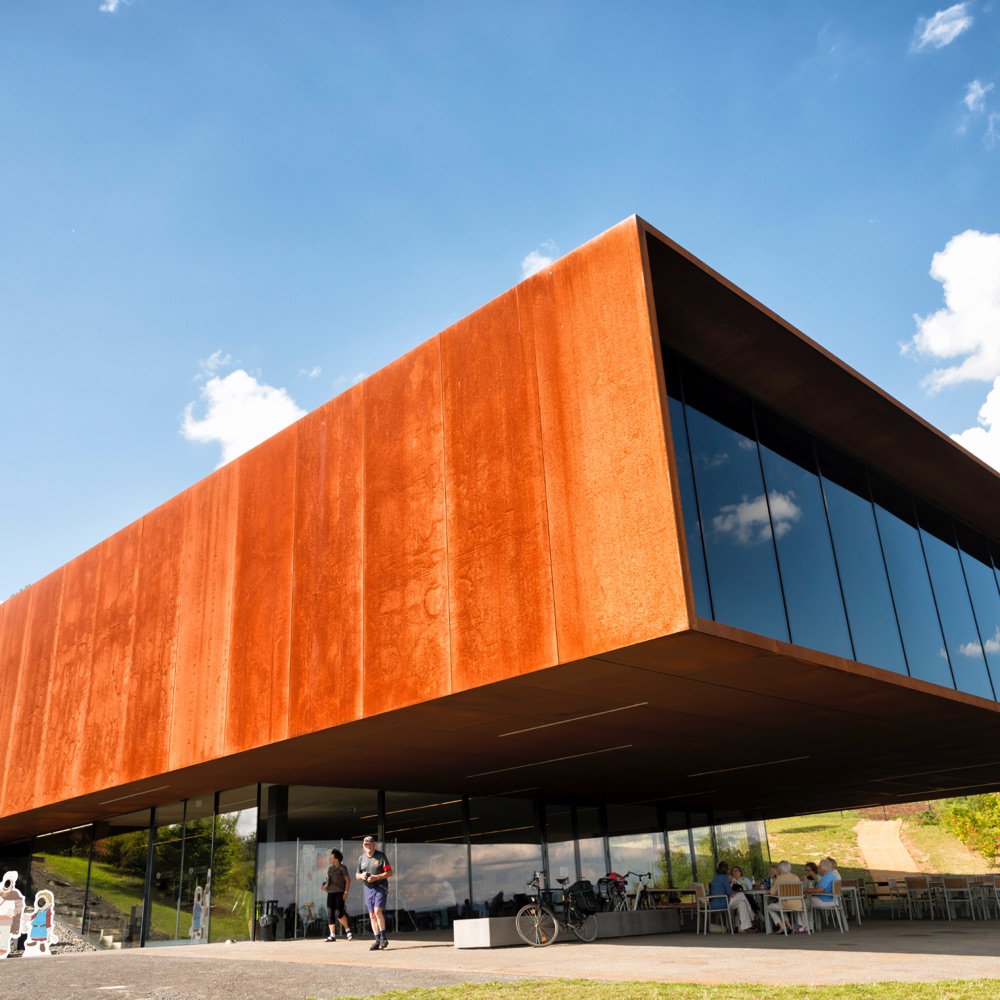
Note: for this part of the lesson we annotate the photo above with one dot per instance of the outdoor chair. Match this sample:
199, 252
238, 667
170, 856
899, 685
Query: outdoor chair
957, 891
829, 913
919, 893
704, 912
897, 894
791, 903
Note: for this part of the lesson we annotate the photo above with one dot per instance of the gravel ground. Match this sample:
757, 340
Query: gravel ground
155, 977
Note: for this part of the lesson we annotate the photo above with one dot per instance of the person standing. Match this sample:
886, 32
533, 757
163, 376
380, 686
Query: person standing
374, 870
337, 885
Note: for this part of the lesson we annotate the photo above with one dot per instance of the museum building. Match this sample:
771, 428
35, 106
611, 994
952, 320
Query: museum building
599, 578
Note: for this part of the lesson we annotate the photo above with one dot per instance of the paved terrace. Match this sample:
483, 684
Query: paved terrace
881, 949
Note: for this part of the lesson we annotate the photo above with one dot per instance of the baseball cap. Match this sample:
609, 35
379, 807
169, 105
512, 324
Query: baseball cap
368, 840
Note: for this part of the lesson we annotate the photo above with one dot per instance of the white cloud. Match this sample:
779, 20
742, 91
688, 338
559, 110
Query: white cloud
975, 649
992, 136
984, 441
210, 365
748, 521
969, 325
943, 28
539, 259
313, 372
110, 6
240, 412
975, 96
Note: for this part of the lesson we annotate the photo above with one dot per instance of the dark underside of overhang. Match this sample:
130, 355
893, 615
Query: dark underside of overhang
696, 720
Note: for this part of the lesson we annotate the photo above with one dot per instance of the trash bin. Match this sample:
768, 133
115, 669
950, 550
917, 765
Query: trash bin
268, 924
134, 926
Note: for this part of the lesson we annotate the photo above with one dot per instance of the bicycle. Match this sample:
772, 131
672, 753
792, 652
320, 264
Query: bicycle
537, 921
612, 893
641, 900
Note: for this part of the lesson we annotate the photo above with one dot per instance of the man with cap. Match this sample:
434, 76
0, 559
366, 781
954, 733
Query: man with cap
374, 870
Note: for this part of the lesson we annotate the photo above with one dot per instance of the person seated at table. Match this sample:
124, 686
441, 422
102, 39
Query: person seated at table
820, 896
833, 868
737, 874
779, 917
740, 879
811, 876
769, 881
722, 889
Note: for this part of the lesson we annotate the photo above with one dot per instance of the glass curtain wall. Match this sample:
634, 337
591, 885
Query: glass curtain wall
116, 888
590, 843
298, 825
636, 842
680, 853
452, 859
63, 860
789, 538
505, 848
425, 844
168, 881
560, 842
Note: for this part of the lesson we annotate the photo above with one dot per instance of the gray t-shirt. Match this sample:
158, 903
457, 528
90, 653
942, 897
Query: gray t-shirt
377, 864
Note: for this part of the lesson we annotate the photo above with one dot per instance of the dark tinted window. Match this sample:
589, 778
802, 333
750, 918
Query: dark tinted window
739, 547
965, 649
689, 508
911, 586
974, 551
805, 556
859, 559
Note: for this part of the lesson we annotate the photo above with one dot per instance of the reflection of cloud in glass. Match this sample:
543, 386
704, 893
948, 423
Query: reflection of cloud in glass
747, 444
748, 522
975, 649
706, 461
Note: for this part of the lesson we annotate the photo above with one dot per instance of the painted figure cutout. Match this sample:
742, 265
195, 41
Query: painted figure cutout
195, 932
41, 934
11, 911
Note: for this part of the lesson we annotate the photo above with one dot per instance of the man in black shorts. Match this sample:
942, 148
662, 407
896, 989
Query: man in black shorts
374, 870
337, 885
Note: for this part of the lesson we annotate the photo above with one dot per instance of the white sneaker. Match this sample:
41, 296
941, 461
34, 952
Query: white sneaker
350, 936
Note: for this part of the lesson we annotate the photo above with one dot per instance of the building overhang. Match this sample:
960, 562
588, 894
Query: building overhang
705, 719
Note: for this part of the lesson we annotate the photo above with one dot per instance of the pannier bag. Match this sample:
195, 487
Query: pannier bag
584, 896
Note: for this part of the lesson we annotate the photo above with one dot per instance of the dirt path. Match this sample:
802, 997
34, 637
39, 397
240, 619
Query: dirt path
883, 851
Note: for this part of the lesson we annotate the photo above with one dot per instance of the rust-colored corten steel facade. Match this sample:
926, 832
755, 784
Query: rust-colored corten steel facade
469, 572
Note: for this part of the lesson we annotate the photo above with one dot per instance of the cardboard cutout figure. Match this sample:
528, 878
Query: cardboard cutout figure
11, 910
41, 934
195, 931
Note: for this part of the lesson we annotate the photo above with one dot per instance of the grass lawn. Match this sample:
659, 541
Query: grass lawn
809, 838
570, 989
936, 849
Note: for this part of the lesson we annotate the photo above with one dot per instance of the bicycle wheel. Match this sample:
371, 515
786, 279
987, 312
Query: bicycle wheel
536, 925
584, 926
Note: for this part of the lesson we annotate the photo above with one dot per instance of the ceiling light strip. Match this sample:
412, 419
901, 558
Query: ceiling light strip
746, 767
551, 760
576, 718
134, 795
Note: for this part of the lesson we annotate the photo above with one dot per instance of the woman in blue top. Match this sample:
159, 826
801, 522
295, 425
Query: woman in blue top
821, 895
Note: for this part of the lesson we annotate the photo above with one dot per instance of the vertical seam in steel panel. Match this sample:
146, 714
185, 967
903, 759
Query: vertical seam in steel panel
362, 502
545, 480
444, 493
291, 584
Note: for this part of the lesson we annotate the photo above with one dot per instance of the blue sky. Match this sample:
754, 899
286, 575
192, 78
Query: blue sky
216, 214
